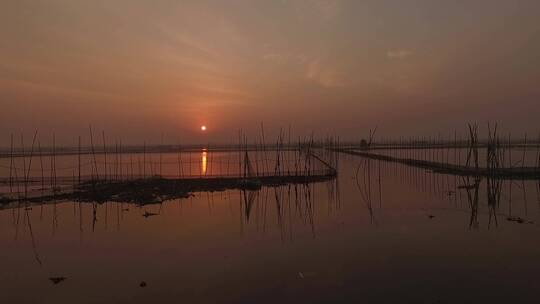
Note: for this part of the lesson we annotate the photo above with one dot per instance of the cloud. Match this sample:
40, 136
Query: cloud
398, 54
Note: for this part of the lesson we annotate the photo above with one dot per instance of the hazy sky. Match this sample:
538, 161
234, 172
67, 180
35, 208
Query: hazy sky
141, 68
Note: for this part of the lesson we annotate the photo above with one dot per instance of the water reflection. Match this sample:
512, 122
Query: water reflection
293, 207
321, 229
363, 179
203, 162
484, 197
293, 203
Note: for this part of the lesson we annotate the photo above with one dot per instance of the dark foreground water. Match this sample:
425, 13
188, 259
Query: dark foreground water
413, 237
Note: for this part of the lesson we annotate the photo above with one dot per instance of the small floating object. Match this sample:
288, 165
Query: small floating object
515, 219
142, 284
305, 275
127, 209
431, 216
147, 214
56, 280
28, 208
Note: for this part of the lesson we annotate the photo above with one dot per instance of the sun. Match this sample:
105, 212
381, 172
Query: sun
203, 128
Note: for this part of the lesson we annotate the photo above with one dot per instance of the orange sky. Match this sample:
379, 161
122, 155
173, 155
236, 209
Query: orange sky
137, 69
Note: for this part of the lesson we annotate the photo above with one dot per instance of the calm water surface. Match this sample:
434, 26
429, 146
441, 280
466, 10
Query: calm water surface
392, 235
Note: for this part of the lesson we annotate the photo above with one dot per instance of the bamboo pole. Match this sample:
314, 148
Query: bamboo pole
54, 164
538, 152
41, 165
524, 150
104, 154
182, 174
93, 152
27, 175
144, 159
23, 154
11, 165
120, 161
115, 177
79, 160
161, 156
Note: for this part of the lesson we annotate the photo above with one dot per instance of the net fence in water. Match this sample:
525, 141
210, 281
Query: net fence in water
23, 174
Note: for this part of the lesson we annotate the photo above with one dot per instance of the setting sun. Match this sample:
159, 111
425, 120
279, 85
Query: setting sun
203, 128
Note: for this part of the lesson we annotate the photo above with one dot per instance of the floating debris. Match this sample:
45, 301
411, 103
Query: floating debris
431, 216
305, 275
148, 214
518, 220
142, 284
57, 280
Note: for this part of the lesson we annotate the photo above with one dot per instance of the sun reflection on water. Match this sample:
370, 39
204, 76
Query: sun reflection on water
203, 162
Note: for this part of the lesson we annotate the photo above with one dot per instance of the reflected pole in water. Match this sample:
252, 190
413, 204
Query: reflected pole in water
34, 247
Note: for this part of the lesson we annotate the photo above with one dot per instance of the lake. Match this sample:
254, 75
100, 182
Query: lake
379, 233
